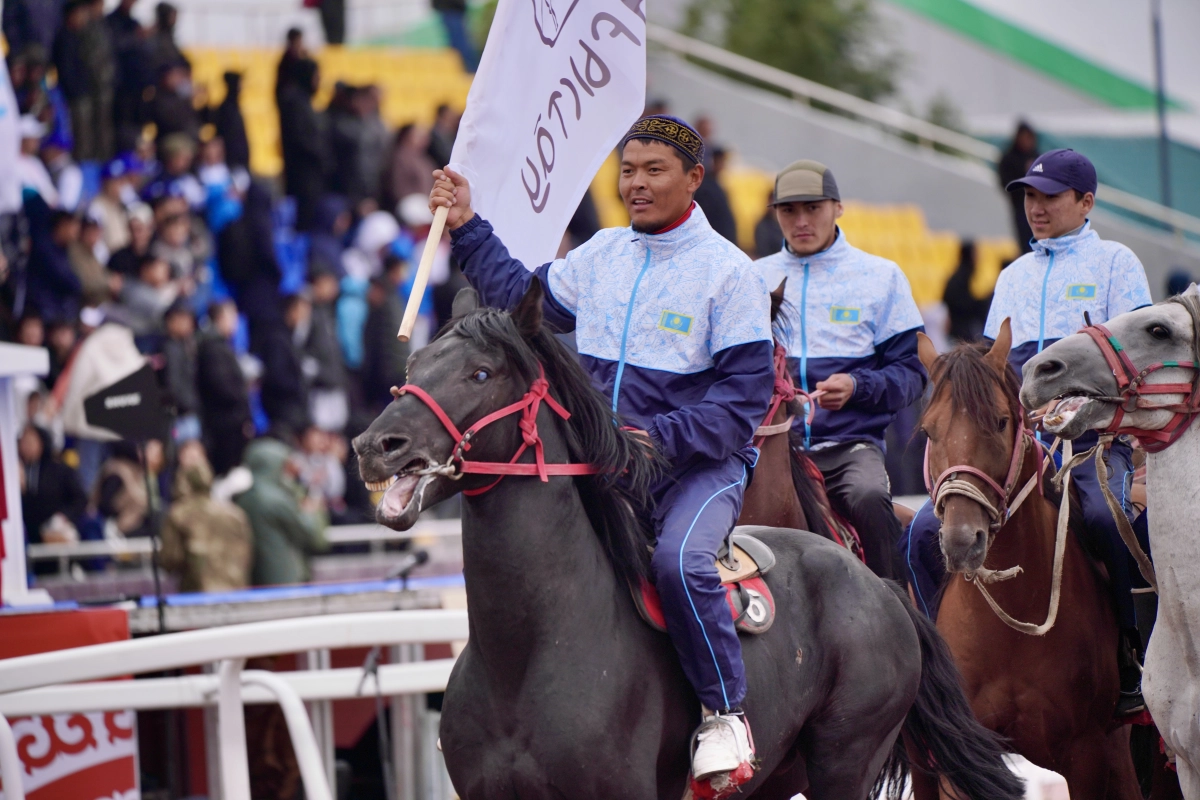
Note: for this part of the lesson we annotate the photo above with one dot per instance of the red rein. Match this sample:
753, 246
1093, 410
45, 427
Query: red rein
528, 407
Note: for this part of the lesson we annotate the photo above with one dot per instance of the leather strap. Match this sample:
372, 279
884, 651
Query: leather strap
457, 465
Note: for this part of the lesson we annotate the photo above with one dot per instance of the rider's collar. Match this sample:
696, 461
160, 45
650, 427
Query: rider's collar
831, 253
677, 223
679, 235
1066, 241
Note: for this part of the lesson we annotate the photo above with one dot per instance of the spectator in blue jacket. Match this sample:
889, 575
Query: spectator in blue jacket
54, 288
854, 340
691, 371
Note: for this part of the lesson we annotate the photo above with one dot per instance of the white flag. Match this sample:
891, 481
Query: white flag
559, 84
10, 145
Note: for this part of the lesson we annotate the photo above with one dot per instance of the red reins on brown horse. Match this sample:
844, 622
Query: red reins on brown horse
785, 391
457, 465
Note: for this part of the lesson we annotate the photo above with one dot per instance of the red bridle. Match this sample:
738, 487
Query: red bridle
785, 391
1133, 387
948, 483
456, 465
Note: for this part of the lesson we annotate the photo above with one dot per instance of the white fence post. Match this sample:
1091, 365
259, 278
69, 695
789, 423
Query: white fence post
321, 714
404, 733
10, 763
235, 765
304, 743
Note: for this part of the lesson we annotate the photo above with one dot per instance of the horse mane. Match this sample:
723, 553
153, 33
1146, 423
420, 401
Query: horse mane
628, 468
971, 379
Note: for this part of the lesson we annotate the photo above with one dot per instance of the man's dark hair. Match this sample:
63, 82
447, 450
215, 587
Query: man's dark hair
294, 35
1078, 195
684, 159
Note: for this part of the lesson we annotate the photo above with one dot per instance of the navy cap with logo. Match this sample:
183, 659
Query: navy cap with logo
1057, 171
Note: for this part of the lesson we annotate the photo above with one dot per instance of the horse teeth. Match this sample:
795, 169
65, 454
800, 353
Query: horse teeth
380, 486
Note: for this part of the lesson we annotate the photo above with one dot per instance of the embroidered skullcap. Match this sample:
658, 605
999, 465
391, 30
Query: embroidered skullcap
669, 130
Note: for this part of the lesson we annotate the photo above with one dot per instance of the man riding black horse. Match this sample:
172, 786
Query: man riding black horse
672, 323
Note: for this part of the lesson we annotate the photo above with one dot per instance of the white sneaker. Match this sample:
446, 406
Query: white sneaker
722, 745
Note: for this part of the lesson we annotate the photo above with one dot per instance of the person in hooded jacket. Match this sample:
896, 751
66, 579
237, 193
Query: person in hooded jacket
48, 486
302, 137
206, 542
231, 125
285, 534
221, 387
53, 287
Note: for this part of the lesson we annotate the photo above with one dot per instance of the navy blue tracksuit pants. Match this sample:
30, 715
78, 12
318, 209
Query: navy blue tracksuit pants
695, 509
921, 552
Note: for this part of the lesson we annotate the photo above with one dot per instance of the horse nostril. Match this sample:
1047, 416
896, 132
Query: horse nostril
1050, 367
390, 444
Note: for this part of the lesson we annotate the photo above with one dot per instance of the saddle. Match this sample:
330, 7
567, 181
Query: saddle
741, 564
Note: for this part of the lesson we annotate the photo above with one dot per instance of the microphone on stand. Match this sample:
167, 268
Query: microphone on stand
407, 565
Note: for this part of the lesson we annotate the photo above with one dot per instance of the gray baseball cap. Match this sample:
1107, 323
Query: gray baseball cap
803, 182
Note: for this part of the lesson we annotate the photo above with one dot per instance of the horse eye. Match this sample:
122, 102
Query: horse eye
1002, 424
1160, 332
480, 375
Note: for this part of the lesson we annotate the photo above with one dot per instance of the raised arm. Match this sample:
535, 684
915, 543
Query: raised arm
500, 279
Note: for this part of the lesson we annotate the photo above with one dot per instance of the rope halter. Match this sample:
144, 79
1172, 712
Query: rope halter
949, 484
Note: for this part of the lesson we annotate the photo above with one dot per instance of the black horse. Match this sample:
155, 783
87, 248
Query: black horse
562, 690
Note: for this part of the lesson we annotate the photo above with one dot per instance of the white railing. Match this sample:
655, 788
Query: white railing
892, 120
376, 536
25, 680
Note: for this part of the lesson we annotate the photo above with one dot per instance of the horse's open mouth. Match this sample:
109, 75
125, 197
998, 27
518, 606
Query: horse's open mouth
1062, 412
403, 493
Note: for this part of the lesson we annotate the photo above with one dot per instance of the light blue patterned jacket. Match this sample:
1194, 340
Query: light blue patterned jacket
1045, 292
674, 327
855, 315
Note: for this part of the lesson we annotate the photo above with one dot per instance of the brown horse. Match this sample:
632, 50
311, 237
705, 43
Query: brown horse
1052, 695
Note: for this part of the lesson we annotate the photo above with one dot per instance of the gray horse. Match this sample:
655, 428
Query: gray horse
1075, 373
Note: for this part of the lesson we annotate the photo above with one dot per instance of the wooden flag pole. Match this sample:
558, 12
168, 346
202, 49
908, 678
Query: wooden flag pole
423, 269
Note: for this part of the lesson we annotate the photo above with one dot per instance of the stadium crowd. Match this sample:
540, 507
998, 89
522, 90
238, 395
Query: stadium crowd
268, 311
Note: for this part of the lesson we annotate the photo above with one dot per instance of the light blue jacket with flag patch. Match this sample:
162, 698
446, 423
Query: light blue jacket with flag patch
855, 315
674, 327
1045, 292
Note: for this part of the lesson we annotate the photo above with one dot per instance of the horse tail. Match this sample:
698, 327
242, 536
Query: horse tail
941, 725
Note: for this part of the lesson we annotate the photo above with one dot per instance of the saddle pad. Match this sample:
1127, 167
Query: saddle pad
750, 602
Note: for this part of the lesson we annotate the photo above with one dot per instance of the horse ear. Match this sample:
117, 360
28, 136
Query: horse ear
998, 355
466, 301
777, 298
528, 313
926, 351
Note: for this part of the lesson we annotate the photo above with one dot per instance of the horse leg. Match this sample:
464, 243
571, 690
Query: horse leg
843, 764
1095, 766
1189, 779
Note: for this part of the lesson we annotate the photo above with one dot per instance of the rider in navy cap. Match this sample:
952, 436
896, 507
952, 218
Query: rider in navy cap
1057, 171
1045, 294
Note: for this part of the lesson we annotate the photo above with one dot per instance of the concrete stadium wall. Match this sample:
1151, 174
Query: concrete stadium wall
769, 131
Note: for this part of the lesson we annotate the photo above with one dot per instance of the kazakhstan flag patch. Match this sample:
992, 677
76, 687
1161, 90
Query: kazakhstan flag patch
675, 322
